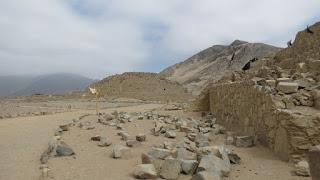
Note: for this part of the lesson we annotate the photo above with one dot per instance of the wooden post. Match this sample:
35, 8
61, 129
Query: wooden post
96, 93
97, 103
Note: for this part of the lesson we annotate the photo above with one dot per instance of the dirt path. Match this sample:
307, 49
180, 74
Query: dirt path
23, 139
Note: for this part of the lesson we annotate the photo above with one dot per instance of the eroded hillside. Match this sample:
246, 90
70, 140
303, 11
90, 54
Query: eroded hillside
211, 64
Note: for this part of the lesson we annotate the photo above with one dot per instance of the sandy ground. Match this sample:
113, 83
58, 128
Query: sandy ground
23, 139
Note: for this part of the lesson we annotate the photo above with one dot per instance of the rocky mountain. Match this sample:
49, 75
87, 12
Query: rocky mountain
213, 63
140, 85
45, 84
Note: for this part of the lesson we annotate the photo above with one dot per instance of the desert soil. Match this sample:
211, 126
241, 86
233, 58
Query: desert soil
23, 139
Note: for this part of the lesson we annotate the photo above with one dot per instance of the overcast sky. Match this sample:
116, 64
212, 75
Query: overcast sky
96, 38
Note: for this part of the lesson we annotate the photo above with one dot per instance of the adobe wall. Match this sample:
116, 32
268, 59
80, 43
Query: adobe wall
248, 110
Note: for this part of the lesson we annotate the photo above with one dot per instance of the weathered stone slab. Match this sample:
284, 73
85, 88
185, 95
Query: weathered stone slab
287, 87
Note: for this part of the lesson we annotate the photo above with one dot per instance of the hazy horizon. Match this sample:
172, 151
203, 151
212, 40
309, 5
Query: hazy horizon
97, 38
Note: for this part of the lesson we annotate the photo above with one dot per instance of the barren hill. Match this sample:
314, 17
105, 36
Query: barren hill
213, 63
139, 85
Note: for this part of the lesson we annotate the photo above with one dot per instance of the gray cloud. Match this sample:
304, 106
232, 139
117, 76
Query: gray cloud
99, 37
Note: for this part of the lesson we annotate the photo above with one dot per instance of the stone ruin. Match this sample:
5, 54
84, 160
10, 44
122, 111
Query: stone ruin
277, 101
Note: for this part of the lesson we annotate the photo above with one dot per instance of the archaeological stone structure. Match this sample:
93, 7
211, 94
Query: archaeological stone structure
143, 86
247, 110
277, 101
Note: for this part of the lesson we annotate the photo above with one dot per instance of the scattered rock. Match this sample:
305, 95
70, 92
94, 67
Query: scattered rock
133, 143
201, 140
108, 117
104, 141
45, 172
170, 169
125, 136
234, 158
120, 151
64, 150
224, 155
271, 83
182, 153
44, 157
229, 140
52, 145
171, 134
64, 127
244, 141
214, 164
147, 159
95, 138
185, 129
159, 153
302, 168
141, 137
208, 150
189, 166
168, 145
58, 131
145, 171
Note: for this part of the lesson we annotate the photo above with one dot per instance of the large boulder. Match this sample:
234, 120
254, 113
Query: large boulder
183, 153
159, 153
145, 171
212, 163
170, 169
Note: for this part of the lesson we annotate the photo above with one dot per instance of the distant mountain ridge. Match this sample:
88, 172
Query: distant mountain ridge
45, 84
211, 64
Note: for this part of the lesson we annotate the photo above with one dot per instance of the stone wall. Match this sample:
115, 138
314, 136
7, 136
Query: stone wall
247, 110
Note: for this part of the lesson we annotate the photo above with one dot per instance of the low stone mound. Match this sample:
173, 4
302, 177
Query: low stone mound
143, 86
